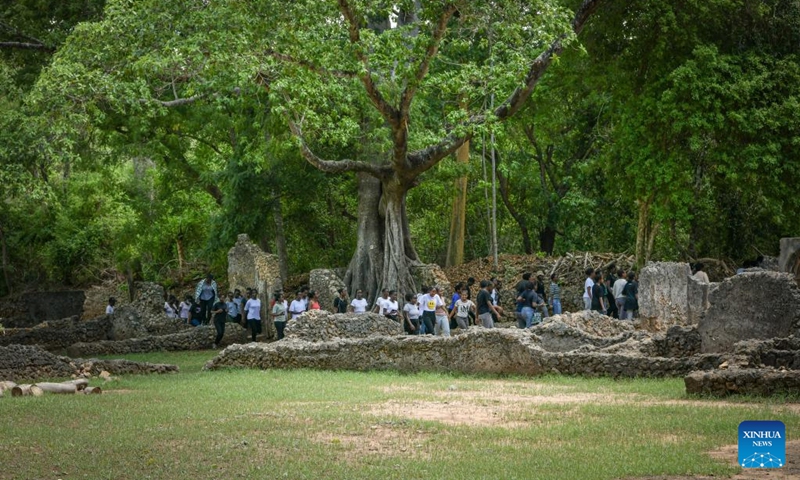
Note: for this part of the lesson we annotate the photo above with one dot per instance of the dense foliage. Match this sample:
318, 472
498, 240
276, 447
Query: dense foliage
143, 136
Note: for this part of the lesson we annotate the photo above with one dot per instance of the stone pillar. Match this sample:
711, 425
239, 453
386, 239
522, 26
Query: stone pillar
663, 293
250, 267
789, 260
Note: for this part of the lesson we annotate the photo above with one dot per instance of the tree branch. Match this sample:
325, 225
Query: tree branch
334, 166
387, 111
517, 98
27, 46
178, 101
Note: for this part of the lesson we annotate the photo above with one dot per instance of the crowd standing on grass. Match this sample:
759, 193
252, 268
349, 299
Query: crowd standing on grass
614, 293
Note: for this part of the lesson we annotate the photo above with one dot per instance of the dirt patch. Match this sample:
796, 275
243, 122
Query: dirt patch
729, 454
384, 439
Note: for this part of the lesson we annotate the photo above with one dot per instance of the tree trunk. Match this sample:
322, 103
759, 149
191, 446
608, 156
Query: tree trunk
280, 238
65, 388
645, 232
396, 272
3, 246
455, 244
505, 195
181, 255
366, 266
547, 239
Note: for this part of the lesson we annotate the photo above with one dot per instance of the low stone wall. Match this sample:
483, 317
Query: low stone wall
323, 326
197, 338
20, 363
750, 381
479, 350
59, 334
554, 335
775, 352
755, 305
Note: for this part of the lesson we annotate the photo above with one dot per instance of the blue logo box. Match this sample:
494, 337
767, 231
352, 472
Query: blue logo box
762, 444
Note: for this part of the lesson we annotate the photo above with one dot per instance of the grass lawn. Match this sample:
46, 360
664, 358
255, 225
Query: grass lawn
313, 424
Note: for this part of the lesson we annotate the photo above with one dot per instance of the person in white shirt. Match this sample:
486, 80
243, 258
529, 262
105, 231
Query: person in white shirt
619, 297
428, 303
279, 314
253, 309
411, 315
587, 289
699, 274
390, 308
110, 307
298, 305
379, 307
359, 304
461, 310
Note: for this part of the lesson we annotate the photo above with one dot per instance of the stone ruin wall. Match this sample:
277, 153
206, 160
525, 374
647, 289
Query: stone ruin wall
250, 267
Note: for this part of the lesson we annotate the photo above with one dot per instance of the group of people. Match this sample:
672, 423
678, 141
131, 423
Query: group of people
615, 293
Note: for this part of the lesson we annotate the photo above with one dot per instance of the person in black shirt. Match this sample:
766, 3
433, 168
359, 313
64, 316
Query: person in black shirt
485, 306
611, 303
220, 312
540, 290
598, 294
341, 302
631, 294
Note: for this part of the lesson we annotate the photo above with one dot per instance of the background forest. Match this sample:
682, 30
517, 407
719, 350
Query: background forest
143, 136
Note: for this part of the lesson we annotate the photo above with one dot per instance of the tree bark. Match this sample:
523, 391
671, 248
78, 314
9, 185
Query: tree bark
455, 244
547, 239
366, 265
505, 196
396, 261
645, 232
280, 238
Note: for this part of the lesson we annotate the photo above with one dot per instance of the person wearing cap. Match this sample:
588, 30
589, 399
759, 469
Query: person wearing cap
206, 295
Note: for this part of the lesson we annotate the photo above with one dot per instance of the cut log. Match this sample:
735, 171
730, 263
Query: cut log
36, 391
21, 391
66, 388
80, 383
93, 390
7, 385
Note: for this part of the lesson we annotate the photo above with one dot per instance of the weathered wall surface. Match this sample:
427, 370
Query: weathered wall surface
753, 305
59, 334
506, 351
250, 267
33, 308
750, 381
322, 326
663, 288
28, 363
326, 283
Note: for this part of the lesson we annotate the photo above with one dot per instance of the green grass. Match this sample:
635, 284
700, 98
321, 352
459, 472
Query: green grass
315, 424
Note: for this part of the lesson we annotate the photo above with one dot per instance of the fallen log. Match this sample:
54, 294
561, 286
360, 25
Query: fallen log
21, 391
80, 383
7, 385
36, 391
65, 388
93, 390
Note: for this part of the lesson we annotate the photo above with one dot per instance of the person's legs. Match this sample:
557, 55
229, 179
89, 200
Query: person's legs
587, 303
527, 315
544, 311
444, 325
463, 322
629, 314
620, 302
486, 320
279, 329
254, 324
219, 325
205, 311
428, 318
556, 307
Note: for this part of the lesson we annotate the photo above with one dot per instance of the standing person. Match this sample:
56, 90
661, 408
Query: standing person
313, 301
220, 312
279, 310
555, 295
253, 313
185, 308
494, 293
588, 285
485, 306
428, 302
171, 307
456, 296
611, 301
239, 300
341, 302
206, 295
699, 274
472, 316
631, 293
234, 313
359, 304
110, 307
197, 316
391, 307
598, 294
461, 310
519, 303
298, 305
378, 307
540, 290
411, 314
304, 296
442, 320
616, 291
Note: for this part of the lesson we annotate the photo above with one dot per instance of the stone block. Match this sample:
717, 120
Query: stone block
663, 290
789, 260
326, 283
250, 267
322, 326
743, 381
753, 305
697, 299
